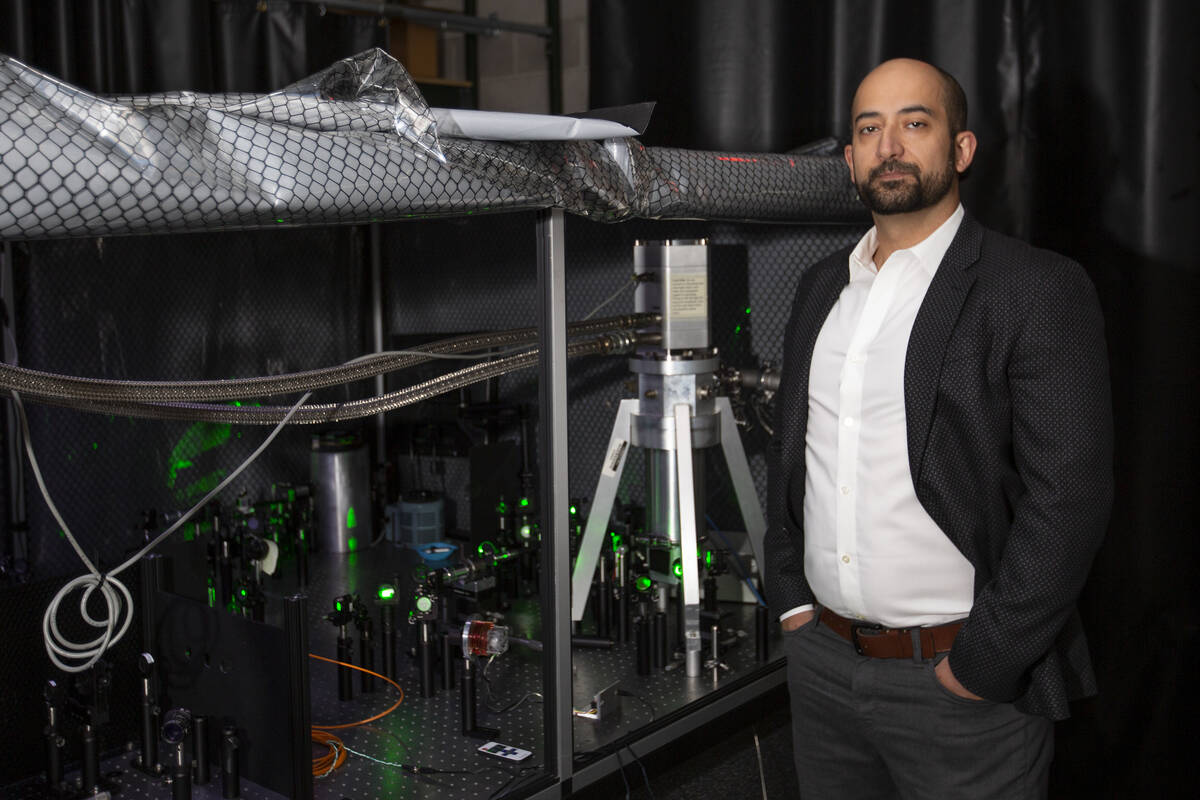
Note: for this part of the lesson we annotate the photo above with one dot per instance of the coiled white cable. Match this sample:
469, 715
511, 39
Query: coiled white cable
70, 656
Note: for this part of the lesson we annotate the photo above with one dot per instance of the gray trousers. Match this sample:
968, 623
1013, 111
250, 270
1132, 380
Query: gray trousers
886, 728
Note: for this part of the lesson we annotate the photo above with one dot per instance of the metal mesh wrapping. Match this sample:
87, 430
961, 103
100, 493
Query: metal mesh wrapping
353, 143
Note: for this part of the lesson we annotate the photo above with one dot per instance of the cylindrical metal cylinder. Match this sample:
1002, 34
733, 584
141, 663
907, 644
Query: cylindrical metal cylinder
678, 289
448, 659
623, 590
181, 773
152, 569
345, 652
366, 656
662, 492
149, 754
711, 603
91, 760
604, 598
680, 618
302, 557
653, 431
341, 476
662, 597
641, 628
592, 642
692, 660
467, 697
658, 636
224, 572
511, 578
762, 630
425, 657
231, 775
387, 624
529, 569
200, 749
54, 759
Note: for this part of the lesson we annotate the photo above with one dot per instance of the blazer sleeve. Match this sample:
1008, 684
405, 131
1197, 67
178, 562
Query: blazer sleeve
1062, 440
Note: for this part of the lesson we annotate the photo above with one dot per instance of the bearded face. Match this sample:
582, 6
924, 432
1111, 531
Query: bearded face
899, 187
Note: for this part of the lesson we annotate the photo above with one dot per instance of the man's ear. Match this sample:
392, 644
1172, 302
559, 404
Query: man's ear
964, 150
848, 153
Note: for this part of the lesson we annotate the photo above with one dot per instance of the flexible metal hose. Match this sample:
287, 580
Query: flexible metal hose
47, 386
338, 412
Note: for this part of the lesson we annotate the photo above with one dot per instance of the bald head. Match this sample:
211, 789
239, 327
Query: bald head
908, 144
909, 72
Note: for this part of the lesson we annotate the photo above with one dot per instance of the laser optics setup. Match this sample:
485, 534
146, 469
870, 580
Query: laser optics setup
443, 605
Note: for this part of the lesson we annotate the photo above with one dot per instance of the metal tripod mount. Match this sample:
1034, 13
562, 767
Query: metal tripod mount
675, 418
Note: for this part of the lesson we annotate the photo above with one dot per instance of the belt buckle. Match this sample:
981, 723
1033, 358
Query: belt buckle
855, 627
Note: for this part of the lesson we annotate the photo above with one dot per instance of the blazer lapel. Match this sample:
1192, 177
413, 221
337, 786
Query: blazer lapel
930, 334
814, 309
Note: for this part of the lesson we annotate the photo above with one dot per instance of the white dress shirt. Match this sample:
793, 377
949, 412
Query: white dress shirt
871, 551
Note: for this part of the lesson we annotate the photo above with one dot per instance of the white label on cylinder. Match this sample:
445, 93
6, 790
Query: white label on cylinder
688, 296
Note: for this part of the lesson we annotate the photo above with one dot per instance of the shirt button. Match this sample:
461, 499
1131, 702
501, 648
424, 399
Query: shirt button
845, 490
848, 422
845, 559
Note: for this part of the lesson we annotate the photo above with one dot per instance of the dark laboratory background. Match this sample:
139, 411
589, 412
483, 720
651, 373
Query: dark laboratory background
1088, 119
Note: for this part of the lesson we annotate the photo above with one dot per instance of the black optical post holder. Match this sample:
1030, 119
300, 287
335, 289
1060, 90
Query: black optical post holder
228, 668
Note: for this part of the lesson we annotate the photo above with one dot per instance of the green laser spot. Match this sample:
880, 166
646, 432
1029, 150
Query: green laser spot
201, 486
197, 439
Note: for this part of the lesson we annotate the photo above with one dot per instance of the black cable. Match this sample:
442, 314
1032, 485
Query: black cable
645, 777
735, 560
487, 691
512, 706
385, 734
503, 789
621, 769
517, 777
412, 769
762, 418
644, 701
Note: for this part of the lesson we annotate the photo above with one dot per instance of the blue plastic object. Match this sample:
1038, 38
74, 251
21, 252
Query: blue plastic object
436, 554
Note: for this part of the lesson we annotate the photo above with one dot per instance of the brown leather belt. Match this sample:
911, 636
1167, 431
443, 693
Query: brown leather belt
877, 641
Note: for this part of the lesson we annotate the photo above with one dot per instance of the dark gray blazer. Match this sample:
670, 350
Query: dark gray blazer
1010, 448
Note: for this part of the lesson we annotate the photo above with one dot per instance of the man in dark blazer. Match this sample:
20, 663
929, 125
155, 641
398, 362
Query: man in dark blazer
940, 481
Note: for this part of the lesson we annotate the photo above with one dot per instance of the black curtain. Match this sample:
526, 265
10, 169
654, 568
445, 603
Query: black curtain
139, 46
1088, 116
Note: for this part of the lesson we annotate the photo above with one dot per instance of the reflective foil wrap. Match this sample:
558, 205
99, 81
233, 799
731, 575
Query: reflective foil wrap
353, 143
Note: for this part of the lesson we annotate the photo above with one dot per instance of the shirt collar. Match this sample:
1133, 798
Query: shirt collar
929, 252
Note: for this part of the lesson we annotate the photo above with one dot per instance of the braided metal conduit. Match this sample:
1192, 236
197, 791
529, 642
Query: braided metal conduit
81, 392
339, 412
618, 341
